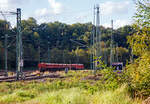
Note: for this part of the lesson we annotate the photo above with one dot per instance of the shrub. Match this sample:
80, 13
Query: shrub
139, 76
109, 79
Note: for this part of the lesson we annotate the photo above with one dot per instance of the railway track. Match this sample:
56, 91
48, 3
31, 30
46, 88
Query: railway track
29, 77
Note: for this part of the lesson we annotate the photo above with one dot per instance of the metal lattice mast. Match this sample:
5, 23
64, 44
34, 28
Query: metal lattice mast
91, 49
112, 42
48, 51
93, 43
39, 52
76, 55
105, 54
64, 57
19, 48
98, 35
6, 68
117, 52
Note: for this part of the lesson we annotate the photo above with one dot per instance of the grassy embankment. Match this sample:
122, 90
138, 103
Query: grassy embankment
75, 88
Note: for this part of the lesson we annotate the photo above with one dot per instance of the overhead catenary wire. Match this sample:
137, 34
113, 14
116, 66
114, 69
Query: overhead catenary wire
19, 48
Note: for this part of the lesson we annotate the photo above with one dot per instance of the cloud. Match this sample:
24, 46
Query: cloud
45, 13
56, 6
16, 2
109, 7
41, 20
118, 23
52, 12
121, 23
80, 18
42, 12
4, 4
11, 4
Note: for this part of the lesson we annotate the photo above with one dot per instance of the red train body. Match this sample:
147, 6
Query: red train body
55, 67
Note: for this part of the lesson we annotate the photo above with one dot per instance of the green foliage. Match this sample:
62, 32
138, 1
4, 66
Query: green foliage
120, 35
123, 54
18, 96
110, 78
36, 35
78, 87
138, 72
118, 96
140, 41
59, 41
100, 63
65, 96
139, 76
73, 95
142, 13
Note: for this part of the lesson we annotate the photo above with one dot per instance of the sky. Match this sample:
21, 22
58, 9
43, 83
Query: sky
72, 11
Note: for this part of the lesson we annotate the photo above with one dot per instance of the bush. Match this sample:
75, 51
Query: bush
139, 76
109, 79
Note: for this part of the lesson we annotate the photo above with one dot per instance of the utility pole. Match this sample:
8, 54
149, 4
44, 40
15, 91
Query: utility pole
62, 33
105, 54
19, 48
91, 51
93, 43
117, 52
64, 56
48, 51
96, 38
112, 44
98, 35
77, 56
39, 51
6, 74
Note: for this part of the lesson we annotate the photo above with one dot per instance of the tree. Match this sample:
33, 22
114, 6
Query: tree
123, 54
121, 34
140, 40
138, 71
142, 13
36, 35
60, 34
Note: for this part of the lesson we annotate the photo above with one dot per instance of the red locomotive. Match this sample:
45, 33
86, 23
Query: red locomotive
54, 67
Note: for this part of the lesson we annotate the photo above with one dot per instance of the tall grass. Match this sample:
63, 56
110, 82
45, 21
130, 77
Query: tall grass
17, 96
76, 88
64, 96
118, 96
70, 96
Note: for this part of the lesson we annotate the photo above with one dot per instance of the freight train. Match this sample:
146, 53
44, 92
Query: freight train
58, 67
